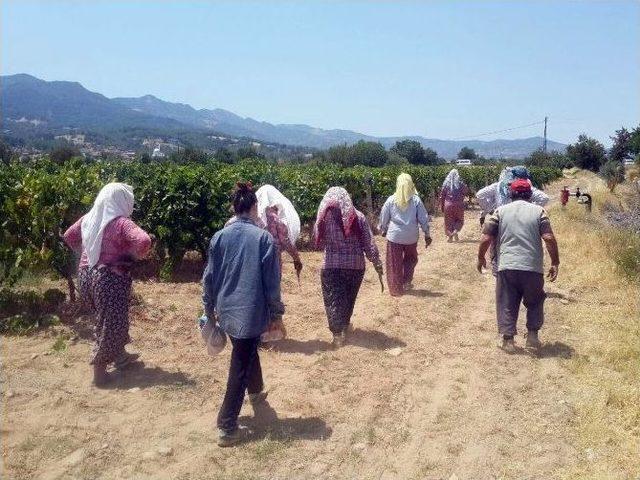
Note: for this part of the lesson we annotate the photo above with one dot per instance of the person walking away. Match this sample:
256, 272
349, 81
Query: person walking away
497, 194
281, 220
519, 228
241, 289
279, 217
109, 242
452, 204
344, 234
402, 215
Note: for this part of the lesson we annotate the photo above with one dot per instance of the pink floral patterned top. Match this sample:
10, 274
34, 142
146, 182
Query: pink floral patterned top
121, 240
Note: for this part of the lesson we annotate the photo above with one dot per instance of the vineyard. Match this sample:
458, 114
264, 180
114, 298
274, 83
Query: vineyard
182, 205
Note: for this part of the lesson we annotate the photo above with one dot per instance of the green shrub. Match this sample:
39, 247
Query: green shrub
24, 312
613, 173
626, 253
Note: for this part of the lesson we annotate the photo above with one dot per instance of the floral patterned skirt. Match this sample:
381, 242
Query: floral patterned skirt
107, 295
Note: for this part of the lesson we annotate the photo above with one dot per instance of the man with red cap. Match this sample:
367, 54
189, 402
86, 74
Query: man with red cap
518, 230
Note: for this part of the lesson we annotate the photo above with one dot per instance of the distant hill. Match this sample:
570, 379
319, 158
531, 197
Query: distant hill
31, 103
68, 104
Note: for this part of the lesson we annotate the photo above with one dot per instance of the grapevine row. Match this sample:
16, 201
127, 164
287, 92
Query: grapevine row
182, 205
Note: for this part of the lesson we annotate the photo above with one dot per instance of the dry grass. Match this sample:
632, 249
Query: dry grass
606, 375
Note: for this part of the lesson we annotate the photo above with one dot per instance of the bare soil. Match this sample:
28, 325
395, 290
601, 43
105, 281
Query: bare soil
419, 392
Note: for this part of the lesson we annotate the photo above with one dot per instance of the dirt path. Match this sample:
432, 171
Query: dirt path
449, 405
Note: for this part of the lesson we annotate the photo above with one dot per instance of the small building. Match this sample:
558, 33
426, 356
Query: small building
461, 162
157, 153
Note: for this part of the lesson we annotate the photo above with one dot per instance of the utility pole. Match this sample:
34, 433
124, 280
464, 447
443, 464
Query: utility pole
544, 148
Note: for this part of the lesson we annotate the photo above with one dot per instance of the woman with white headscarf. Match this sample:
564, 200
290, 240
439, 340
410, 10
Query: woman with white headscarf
278, 216
452, 204
109, 242
280, 219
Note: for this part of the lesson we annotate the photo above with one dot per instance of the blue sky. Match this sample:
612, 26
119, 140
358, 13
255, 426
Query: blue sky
439, 69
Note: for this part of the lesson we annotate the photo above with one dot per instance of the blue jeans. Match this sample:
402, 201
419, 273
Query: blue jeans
245, 374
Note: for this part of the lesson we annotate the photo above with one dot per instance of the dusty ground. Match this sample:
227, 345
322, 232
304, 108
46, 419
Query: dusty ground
450, 405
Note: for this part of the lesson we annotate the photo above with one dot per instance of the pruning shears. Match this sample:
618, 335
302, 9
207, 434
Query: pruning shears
381, 282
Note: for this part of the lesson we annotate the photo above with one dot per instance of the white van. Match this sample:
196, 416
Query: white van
463, 161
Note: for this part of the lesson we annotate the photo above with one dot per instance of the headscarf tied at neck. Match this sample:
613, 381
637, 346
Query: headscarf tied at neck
508, 175
270, 196
452, 181
405, 190
338, 198
114, 200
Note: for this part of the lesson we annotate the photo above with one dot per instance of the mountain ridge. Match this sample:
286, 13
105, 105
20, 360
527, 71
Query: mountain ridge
65, 104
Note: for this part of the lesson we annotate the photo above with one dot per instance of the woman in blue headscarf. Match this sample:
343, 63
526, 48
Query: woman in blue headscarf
497, 194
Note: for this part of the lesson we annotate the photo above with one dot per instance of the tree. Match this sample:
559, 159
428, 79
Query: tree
613, 173
371, 154
413, 151
621, 148
587, 153
64, 153
144, 157
5, 152
634, 141
244, 153
224, 155
431, 157
338, 154
540, 158
395, 159
194, 155
467, 153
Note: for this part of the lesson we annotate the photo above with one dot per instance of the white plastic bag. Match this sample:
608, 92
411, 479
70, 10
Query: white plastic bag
212, 334
275, 332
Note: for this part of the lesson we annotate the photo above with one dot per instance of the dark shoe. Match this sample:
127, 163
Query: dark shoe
125, 359
533, 342
100, 376
508, 345
229, 439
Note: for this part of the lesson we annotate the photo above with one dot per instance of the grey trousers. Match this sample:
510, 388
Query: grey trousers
513, 287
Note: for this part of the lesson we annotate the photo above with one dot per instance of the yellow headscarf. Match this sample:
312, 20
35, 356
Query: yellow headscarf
405, 189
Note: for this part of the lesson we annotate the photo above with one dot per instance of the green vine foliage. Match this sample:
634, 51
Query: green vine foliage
182, 205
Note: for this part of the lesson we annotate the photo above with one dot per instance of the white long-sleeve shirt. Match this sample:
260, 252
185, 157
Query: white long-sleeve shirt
489, 198
402, 226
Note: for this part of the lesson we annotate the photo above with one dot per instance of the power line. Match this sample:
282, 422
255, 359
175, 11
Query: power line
499, 131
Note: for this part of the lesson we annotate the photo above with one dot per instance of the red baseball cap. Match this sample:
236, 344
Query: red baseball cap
520, 185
